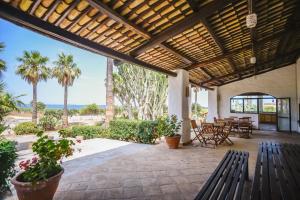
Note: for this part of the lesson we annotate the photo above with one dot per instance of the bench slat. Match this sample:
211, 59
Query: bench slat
277, 172
230, 172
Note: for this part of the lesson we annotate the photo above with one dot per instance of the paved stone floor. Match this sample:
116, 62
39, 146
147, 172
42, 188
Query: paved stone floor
152, 171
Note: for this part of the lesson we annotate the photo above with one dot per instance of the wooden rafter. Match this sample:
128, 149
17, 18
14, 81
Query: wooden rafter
184, 58
51, 10
23, 19
251, 67
66, 12
34, 6
194, 5
79, 17
183, 25
201, 86
280, 65
94, 18
218, 42
237, 51
117, 17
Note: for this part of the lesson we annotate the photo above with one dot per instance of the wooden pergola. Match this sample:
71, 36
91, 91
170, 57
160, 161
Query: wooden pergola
208, 38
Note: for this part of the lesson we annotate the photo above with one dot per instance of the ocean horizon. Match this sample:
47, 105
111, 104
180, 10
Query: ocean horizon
61, 106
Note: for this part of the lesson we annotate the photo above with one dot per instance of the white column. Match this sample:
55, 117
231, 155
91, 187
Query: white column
298, 90
213, 105
179, 98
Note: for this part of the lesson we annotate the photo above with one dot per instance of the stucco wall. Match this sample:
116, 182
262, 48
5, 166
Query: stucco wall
279, 83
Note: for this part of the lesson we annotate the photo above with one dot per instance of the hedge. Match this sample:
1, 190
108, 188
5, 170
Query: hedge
121, 129
26, 128
8, 157
87, 132
134, 130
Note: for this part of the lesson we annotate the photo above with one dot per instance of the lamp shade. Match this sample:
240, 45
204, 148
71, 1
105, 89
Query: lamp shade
253, 60
251, 20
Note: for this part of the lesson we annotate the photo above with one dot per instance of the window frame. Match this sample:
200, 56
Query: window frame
248, 112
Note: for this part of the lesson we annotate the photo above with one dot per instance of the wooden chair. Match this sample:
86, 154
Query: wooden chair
225, 134
244, 127
198, 132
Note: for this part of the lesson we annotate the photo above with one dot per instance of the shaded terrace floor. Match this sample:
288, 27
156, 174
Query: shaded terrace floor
152, 172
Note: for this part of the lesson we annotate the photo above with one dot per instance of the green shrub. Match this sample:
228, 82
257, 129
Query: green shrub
48, 122
55, 113
87, 132
7, 159
123, 129
26, 128
147, 132
92, 109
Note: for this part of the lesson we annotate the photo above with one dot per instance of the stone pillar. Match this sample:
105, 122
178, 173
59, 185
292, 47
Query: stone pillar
213, 105
179, 97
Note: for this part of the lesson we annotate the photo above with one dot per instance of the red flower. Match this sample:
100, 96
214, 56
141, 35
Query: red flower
34, 160
78, 141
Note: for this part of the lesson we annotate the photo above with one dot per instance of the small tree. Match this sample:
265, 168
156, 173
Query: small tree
92, 109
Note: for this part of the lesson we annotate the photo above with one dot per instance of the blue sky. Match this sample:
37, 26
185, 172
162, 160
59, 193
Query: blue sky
88, 88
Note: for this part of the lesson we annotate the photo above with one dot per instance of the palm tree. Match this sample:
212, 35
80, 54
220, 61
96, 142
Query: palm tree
33, 70
2, 62
66, 71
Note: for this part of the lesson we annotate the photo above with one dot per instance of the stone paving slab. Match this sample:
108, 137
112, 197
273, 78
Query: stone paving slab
155, 172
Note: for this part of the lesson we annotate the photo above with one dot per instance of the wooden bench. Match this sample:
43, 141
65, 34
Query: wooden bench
277, 172
227, 181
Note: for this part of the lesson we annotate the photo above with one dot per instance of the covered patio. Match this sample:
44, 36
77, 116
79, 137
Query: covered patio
195, 43
153, 172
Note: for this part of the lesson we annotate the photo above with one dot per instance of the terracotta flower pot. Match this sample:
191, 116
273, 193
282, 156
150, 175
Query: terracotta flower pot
173, 141
42, 190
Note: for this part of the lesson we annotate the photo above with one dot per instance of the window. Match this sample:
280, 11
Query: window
253, 104
236, 105
250, 105
268, 105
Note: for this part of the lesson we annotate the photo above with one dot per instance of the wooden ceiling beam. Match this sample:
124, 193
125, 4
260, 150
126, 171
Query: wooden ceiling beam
102, 7
182, 25
184, 58
252, 67
281, 65
51, 10
237, 51
194, 5
21, 18
201, 86
66, 12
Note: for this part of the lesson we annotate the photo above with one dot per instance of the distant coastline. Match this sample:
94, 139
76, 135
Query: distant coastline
61, 106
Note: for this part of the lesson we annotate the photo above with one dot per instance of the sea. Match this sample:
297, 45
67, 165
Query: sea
61, 106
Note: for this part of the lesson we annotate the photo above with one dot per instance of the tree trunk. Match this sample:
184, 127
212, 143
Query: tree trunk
34, 103
65, 117
109, 114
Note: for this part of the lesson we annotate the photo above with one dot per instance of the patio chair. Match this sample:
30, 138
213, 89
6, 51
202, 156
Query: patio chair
198, 132
244, 127
225, 134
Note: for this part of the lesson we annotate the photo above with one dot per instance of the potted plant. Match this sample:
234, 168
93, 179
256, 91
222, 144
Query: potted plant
41, 175
168, 127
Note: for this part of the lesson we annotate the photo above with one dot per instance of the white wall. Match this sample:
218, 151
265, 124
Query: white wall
282, 82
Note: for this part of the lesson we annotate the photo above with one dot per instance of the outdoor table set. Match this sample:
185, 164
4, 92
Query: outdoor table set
215, 133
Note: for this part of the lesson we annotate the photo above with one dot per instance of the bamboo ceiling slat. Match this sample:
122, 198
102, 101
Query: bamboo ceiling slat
125, 25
